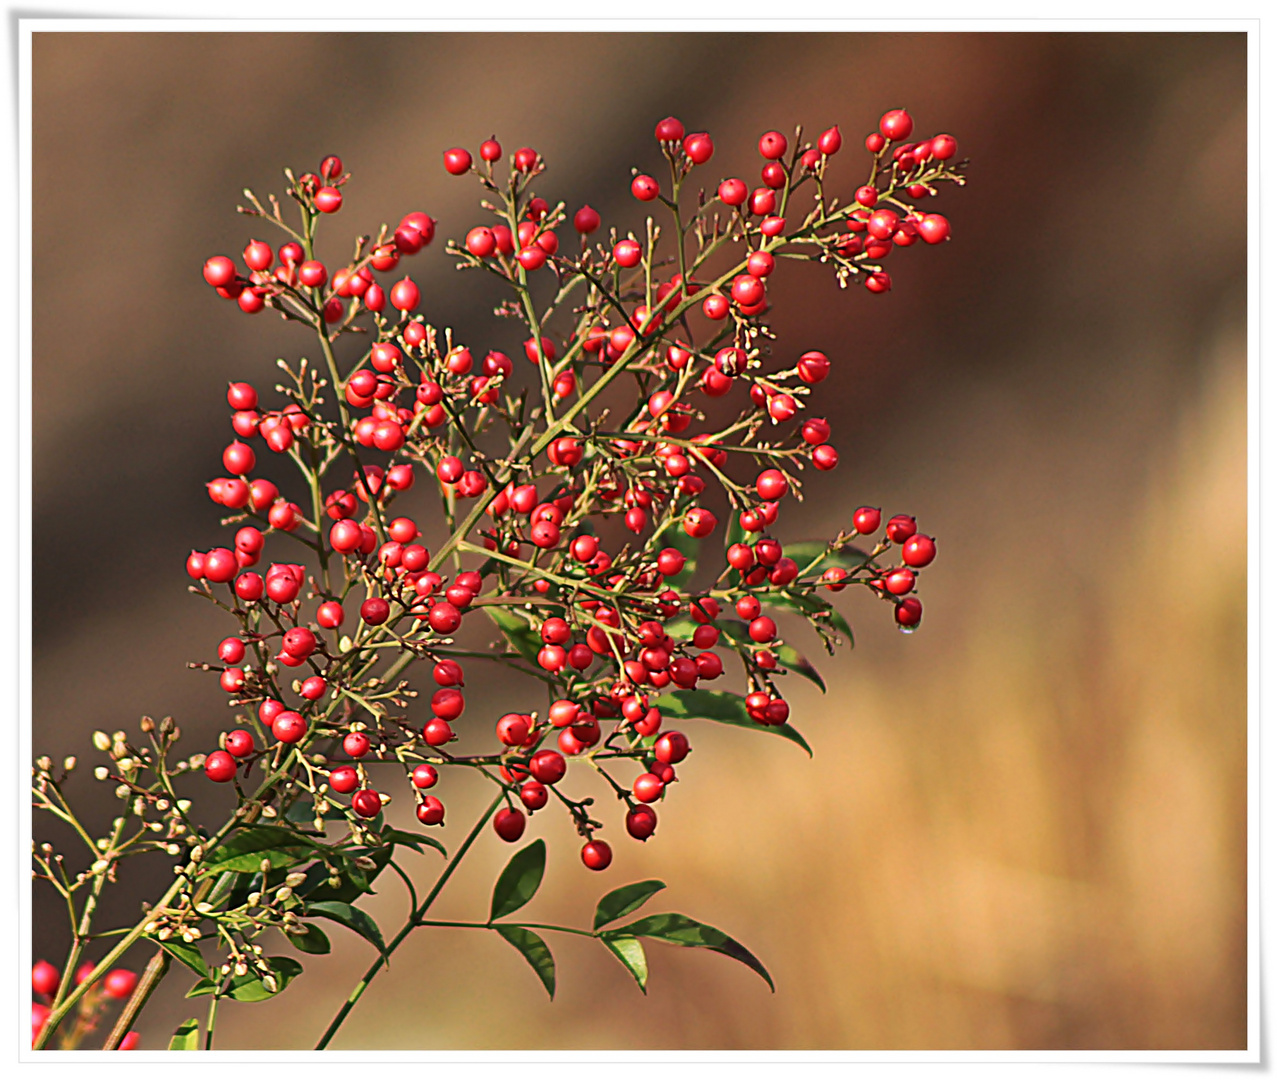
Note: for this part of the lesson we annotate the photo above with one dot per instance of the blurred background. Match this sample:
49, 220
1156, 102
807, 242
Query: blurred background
1025, 825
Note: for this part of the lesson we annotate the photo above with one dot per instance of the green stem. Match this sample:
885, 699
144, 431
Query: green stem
414, 920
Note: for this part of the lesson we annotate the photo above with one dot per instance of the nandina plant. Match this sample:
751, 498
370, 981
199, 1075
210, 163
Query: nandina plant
570, 488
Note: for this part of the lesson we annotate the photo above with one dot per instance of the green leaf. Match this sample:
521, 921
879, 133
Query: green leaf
187, 954
313, 941
683, 930
249, 987
187, 1036
351, 917
354, 881
629, 951
806, 552
535, 951
519, 880
725, 708
620, 902
526, 642
415, 840
797, 662
246, 849
814, 606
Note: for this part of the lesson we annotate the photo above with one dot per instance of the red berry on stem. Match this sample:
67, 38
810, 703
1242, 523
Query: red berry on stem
366, 803
773, 145
597, 855
509, 824
896, 125
457, 161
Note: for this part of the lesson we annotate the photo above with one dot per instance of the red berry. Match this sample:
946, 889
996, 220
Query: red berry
509, 824
240, 743
45, 978
586, 220
119, 983
288, 727
366, 803
330, 615
918, 550
405, 295
733, 192
597, 855
830, 142
547, 766
481, 242
773, 145
699, 147
909, 612
647, 788
934, 228
900, 528
824, 457
343, 779
219, 766
771, 484
866, 520
457, 161
328, 200
425, 776
356, 744
219, 271
534, 795
374, 611
671, 748
878, 282
762, 630
299, 642
896, 125
430, 811
669, 130
627, 253
670, 562
645, 188
640, 822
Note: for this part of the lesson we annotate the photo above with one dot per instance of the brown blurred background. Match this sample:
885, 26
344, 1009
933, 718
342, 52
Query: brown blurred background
1025, 826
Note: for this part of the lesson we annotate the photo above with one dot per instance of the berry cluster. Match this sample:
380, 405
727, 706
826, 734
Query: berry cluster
609, 626
46, 988
576, 490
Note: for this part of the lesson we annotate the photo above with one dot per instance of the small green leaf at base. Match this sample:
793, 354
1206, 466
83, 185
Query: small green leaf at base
186, 1037
534, 950
620, 902
630, 952
519, 880
683, 930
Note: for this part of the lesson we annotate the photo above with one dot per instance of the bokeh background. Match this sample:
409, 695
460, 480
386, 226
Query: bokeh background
1024, 826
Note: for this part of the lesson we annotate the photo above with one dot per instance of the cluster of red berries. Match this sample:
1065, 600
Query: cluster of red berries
117, 985
608, 620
